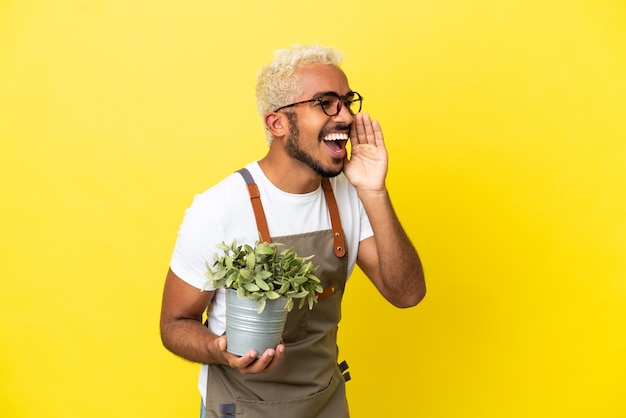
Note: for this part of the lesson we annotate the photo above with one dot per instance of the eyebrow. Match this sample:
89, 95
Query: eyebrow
321, 93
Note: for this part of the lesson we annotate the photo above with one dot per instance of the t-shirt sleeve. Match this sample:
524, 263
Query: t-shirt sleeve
194, 247
366, 227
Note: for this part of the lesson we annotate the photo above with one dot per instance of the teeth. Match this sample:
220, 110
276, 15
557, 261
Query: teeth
336, 137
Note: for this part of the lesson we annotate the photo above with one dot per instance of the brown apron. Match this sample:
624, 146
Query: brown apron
308, 383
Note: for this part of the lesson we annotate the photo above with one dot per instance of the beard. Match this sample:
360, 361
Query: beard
294, 150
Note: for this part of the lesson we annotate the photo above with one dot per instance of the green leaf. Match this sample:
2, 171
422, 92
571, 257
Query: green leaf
313, 278
230, 280
250, 261
300, 280
228, 261
251, 287
262, 285
272, 295
263, 275
219, 284
222, 246
289, 304
260, 305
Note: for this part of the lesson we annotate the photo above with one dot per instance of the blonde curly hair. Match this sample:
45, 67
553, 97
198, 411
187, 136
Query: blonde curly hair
277, 84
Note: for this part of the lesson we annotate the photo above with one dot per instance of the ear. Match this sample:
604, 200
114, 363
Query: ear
277, 124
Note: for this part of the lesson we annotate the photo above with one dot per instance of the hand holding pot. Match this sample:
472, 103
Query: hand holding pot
249, 363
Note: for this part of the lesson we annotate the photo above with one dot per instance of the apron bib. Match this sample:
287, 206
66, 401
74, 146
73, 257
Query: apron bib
308, 383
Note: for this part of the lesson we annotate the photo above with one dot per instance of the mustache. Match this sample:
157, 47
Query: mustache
340, 127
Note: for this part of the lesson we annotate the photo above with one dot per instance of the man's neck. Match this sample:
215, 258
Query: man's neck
290, 175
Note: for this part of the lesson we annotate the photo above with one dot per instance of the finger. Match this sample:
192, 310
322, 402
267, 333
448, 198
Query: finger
262, 363
378, 133
353, 132
278, 357
360, 128
368, 128
241, 363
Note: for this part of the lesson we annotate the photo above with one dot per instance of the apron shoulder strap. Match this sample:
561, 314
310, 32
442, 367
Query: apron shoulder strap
335, 220
257, 206
261, 222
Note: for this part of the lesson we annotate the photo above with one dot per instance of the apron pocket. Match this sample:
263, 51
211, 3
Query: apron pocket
328, 403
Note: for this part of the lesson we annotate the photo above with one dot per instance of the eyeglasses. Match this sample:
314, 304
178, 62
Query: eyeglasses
331, 103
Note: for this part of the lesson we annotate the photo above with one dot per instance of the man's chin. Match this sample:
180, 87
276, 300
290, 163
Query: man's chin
332, 172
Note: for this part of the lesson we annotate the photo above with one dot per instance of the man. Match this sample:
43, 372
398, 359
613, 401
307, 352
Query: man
309, 113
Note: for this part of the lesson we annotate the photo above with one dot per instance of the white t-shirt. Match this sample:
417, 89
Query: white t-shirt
224, 212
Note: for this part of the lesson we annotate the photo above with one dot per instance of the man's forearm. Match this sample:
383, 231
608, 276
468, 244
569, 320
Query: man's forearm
190, 339
400, 267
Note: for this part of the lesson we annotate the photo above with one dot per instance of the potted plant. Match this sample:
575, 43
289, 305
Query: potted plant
261, 285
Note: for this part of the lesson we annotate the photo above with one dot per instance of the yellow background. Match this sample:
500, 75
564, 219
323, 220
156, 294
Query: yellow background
505, 123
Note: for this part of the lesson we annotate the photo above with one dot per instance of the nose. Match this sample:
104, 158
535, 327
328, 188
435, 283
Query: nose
344, 115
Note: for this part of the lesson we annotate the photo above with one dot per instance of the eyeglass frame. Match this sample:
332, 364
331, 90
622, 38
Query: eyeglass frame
331, 93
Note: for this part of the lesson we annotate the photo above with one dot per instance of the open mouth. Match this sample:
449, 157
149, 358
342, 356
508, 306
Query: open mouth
336, 142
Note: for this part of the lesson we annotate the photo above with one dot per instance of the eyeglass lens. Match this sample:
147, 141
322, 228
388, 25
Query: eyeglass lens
331, 103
